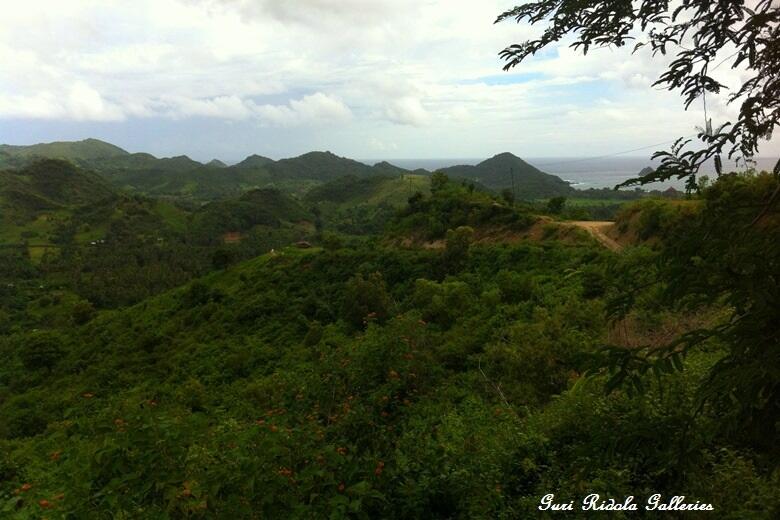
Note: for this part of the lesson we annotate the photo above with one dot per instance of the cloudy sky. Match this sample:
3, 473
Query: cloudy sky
361, 78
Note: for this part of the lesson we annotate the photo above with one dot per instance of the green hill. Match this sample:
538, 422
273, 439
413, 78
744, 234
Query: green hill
49, 184
319, 166
363, 204
463, 363
254, 161
183, 177
386, 168
374, 190
497, 172
262, 207
86, 150
253, 387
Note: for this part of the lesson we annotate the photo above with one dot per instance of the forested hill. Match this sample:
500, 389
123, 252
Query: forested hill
48, 184
182, 176
436, 369
86, 150
506, 170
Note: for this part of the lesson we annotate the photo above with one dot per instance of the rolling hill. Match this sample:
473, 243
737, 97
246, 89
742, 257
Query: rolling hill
374, 190
182, 176
48, 184
320, 166
496, 173
86, 150
262, 207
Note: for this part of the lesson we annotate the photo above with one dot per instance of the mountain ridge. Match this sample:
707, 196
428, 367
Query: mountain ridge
183, 176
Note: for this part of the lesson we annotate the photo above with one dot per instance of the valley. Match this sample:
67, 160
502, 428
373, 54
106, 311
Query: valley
314, 337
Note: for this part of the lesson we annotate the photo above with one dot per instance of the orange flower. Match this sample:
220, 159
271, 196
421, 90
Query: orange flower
55, 455
380, 466
341, 451
44, 503
26, 487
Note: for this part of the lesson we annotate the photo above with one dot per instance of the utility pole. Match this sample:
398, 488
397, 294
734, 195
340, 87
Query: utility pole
514, 195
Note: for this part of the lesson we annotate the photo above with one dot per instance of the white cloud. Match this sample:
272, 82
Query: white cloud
407, 111
381, 146
317, 108
380, 68
223, 107
79, 102
86, 103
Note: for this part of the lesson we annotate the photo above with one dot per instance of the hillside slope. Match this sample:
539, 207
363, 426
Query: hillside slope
48, 184
86, 150
497, 173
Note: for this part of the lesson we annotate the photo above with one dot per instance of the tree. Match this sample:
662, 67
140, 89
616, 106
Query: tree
714, 259
555, 205
438, 181
704, 36
725, 255
366, 299
41, 350
222, 258
456, 251
508, 196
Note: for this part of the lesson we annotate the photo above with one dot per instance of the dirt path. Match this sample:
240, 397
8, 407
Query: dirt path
598, 230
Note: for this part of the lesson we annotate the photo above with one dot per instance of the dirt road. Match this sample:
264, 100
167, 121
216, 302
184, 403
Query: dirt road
598, 230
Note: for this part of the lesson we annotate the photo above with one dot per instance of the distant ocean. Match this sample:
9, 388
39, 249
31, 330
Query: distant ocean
581, 172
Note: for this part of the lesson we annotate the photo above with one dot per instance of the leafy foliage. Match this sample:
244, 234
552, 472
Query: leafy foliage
702, 265
434, 370
703, 38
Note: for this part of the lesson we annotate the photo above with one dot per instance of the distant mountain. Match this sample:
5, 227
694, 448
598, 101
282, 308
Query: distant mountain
48, 184
39, 199
385, 168
86, 150
254, 161
320, 166
497, 172
184, 177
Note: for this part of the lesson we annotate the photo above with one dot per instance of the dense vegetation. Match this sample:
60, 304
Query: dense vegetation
186, 179
444, 360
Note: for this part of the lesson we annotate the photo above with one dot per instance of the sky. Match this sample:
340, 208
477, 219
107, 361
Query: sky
360, 78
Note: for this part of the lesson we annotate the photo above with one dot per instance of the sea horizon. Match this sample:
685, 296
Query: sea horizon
581, 172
